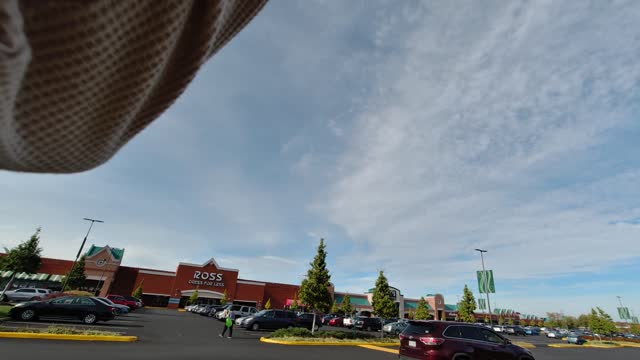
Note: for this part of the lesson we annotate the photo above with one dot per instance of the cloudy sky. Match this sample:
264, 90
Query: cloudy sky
406, 136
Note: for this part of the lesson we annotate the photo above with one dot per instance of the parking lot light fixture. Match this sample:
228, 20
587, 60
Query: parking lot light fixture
486, 284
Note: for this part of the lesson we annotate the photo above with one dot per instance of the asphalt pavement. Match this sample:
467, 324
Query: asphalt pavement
167, 334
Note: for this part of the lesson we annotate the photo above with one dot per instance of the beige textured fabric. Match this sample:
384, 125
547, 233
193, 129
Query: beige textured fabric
78, 79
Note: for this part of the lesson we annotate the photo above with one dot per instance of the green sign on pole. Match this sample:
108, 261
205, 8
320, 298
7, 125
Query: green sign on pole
623, 312
486, 278
482, 304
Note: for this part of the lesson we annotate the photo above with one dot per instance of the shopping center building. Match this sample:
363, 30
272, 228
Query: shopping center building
106, 275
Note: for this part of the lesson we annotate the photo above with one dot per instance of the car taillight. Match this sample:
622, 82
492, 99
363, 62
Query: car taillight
431, 341
400, 336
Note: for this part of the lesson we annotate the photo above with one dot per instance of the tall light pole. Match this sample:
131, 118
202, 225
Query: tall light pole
64, 284
486, 283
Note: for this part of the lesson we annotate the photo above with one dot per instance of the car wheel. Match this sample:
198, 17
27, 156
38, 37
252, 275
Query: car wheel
255, 327
90, 319
35, 298
27, 315
4, 298
368, 328
316, 328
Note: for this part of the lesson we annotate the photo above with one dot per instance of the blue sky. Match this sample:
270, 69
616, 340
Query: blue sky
406, 136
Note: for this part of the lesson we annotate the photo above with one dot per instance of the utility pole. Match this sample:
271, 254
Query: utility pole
64, 284
486, 283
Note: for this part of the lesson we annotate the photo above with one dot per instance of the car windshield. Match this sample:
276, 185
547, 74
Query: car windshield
261, 313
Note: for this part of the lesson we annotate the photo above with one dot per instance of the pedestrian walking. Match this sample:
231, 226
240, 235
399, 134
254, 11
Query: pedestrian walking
229, 321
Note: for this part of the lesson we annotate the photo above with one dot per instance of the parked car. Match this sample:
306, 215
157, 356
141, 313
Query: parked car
449, 340
272, 320
25, 294
325, 319
532, 331
336, 321
514, 330
238, 311
305, 320
119, 309
395, 328
553, 334
86, 309
119, 299
347, 322
214, 310
139, 303
576, 338
368, 323
498, 328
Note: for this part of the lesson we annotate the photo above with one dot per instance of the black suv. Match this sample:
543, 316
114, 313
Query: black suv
272, 320
367, 323
305, 320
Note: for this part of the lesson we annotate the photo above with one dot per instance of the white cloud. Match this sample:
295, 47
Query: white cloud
472, 106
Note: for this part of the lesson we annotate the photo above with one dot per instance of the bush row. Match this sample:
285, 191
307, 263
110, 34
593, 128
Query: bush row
59, 330
305, 333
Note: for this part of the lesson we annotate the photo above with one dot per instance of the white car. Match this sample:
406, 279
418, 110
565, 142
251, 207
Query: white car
25, 294
347, 322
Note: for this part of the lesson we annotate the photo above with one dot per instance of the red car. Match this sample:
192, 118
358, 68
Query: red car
440, 340
337, 321
117, 299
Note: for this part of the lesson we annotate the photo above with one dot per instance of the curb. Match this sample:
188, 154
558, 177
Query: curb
572, 346
524, 345
19, 335
316, 343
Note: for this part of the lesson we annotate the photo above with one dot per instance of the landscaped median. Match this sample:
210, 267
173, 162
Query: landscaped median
300, 336
64, 333
595, 344
4, 310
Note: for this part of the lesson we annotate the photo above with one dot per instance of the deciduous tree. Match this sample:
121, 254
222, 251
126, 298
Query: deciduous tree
24, 258
137, 293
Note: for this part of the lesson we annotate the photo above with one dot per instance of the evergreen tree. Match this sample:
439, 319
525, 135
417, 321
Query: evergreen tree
23, 258
314, 291
422, 310
138, 291
334, 308
267, 305
346, 305
194, 297
76, 277
467, 306
411, 315
225, 298
382, 305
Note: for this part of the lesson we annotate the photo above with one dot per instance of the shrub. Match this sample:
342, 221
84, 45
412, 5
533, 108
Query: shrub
295, 332
342, 335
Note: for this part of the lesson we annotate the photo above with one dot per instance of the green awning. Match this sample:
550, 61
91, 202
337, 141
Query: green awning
23, 276
6, 274
57, 278
39, 277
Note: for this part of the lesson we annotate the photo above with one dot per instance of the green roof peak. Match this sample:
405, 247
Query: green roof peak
115, 252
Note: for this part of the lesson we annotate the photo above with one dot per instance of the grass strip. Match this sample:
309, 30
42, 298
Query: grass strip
59, 330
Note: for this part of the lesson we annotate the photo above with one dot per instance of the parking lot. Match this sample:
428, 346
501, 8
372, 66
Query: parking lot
167, 334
